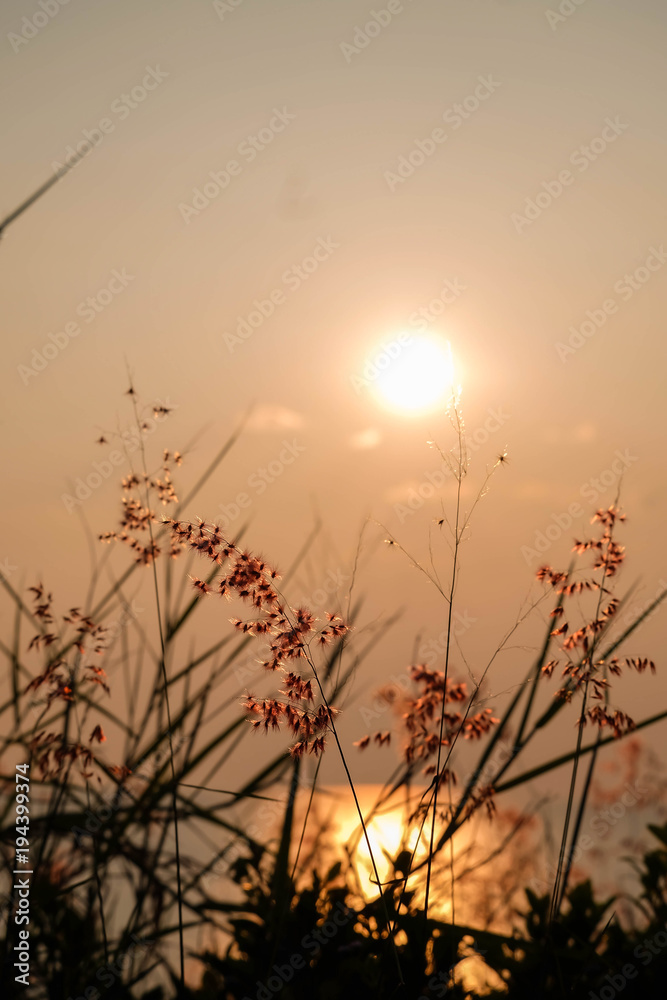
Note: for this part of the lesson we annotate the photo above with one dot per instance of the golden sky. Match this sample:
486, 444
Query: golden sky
274, 194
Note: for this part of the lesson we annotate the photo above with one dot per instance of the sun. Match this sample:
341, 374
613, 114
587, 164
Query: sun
418, 377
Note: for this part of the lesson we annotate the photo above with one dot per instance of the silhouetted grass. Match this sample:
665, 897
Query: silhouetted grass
118, 825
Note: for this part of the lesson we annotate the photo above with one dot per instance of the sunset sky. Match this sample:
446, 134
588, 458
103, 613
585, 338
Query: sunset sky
276, 194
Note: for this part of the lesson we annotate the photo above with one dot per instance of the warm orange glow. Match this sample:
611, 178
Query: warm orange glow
419, 377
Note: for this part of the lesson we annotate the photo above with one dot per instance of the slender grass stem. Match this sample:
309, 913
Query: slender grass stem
165, 678
559, 882
450, 603
341, 752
